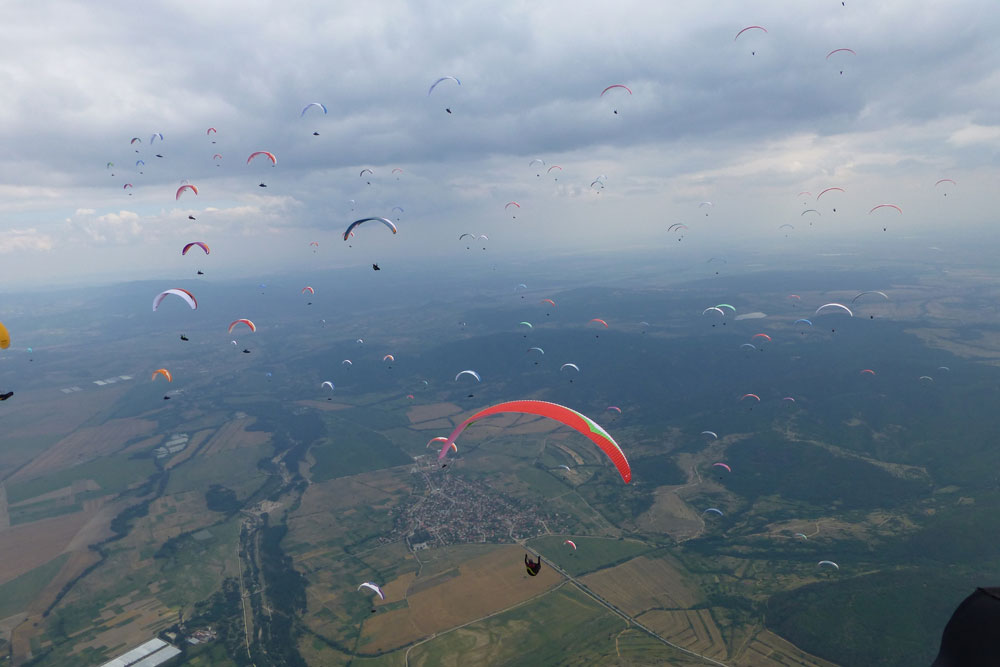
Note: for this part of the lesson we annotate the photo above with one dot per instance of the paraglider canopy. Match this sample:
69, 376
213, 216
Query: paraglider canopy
182, 293
575, 420
385, 221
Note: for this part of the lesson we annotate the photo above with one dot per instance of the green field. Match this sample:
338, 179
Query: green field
45, 510
564, 627
112, 473
17, 593
352, 448
592, 553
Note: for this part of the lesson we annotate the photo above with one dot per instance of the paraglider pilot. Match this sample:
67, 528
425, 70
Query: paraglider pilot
532, 566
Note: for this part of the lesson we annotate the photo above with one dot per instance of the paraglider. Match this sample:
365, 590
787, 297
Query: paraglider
755, 396
613, 408
809, 322
373, 587
444, 78
722, 465
548, 301
828, 562
945, 180
182, 293
715, 436
4, 337
833, 307
376, 267
762, 335
571, 543
388, 357
532, 566
164, 372
385, 221
469, 372
181, 190
875, 208
578, 422
829, 190
851, 51
868, 371
318, 105
200, 244
309, 289
615, 87
327, 384
4, 397
714, 509
573, 366
599, 321
750, 27
251, 325
537, 349
861, 294
268, 155
441, 438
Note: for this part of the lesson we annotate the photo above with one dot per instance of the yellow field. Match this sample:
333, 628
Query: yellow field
769, 650
424, 413
643, 583
692, 629
671, 515
485, 585
24, 547
234, 435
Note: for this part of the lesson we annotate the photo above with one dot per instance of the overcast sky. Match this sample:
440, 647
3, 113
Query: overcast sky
745, 123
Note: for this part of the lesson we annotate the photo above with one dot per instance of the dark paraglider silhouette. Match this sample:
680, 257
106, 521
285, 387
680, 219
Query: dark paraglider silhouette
532, 566
375, 267
4, 397
969, 639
